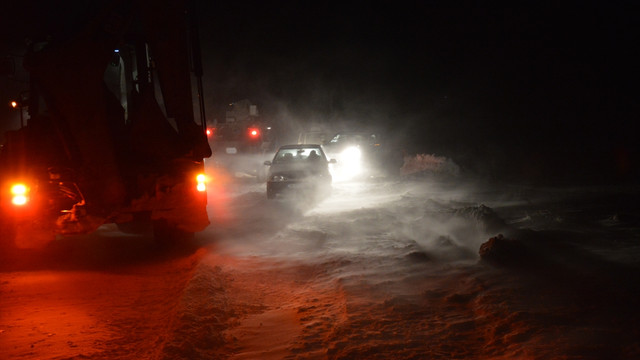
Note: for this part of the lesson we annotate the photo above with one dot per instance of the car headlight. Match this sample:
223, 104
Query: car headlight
278, 178
349, 164
351, 155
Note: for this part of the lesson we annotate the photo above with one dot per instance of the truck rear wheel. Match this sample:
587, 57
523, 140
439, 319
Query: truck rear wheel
167, 234
21, 235
7, 238
140, 224
271, 194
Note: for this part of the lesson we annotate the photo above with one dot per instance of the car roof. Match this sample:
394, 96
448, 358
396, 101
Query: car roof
300, 146
367, 133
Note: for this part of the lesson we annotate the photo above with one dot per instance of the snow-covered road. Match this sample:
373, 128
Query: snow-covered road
381, 269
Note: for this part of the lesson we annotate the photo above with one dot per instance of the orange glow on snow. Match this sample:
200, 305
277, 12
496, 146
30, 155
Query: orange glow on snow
55, 314
218, 196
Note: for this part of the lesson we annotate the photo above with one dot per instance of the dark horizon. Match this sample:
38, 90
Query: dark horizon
530, 91
539, 91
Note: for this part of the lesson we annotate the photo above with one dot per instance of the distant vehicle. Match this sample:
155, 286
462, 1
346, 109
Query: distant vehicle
299, 169
313, 137
358, 153
239, 144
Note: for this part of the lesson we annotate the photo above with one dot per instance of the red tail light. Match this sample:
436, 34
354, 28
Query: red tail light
254, 133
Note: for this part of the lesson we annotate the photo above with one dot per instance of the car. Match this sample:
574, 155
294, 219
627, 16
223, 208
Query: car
299, 169
357, 151
242, 142
313, 137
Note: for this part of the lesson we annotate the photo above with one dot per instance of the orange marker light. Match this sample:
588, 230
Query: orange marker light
201, 180
19, 192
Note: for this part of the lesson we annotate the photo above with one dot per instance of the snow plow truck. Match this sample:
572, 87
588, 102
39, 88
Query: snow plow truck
111, 134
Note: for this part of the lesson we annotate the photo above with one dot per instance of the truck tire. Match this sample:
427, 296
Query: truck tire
166, 234
271, 194
7, 238
21, 236
139, 225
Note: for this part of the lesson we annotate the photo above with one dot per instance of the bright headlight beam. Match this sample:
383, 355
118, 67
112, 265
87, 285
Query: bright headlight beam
351, 154
349, 164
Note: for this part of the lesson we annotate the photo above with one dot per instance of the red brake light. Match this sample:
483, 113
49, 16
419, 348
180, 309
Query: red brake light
254, 133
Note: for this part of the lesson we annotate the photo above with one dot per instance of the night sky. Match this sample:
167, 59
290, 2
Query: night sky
540, 92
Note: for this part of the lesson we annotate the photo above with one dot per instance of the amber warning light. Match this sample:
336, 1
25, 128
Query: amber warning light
19, 194
201, 182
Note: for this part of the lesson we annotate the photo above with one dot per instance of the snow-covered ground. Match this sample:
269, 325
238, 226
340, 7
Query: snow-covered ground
381, 269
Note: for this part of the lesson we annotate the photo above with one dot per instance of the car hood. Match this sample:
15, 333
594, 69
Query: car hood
297, 170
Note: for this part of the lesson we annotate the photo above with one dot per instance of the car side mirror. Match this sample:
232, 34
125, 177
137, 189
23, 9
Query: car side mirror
268, 163
332, 161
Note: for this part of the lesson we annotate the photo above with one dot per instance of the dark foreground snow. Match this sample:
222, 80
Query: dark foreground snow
381, 269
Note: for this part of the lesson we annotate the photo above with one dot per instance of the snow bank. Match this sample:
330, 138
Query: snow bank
197, 331
422, 163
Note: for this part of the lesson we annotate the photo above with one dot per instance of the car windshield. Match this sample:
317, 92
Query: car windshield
298, 155
355, 138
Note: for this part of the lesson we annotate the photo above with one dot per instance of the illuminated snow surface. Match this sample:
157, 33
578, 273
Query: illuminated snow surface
381, 269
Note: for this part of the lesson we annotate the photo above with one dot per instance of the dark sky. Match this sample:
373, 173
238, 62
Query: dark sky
535, 90
412, 52
537, 86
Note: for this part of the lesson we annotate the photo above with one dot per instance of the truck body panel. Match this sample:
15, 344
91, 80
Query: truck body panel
111, 130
